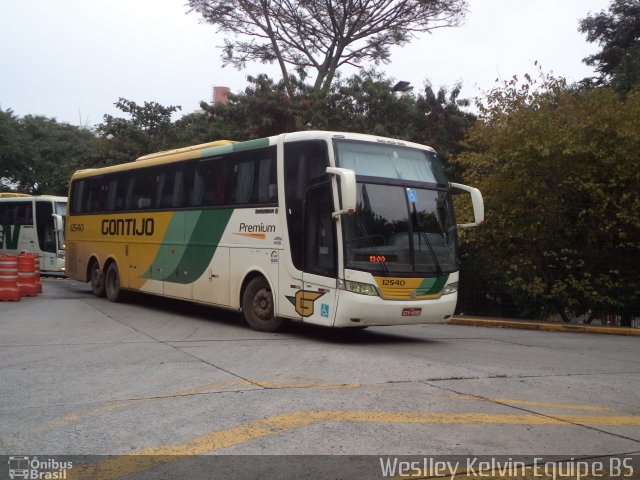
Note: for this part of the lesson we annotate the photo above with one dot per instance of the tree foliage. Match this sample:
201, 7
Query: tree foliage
148, 128
559, 171
38, 154
617, 31
321, 36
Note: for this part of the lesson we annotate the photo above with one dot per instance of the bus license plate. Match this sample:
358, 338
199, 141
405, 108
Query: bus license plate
411, 312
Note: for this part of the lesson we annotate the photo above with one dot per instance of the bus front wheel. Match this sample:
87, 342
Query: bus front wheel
112, 283
97, 279
257, 306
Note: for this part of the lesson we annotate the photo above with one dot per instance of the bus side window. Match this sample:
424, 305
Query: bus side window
166, 192
206, 182
197, 192
145, 186
161, 183
27, 213
123, 193
244, 181
96, 200
111, 196
77, 191
17, 213
178, 182
222, 185
185, 187
267, 186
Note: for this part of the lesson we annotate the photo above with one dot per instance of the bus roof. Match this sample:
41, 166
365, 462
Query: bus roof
13, 195
217, 147
220, 147
192, 148
24, 197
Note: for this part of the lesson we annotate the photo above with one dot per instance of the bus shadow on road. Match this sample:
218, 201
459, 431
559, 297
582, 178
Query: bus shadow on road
353, 336
233, 319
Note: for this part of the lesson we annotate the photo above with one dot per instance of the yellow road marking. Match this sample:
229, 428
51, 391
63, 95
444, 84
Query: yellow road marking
215, 386
152, 457
587, 408
212, 386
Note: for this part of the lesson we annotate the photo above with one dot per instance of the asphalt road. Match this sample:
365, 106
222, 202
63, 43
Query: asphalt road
81, 375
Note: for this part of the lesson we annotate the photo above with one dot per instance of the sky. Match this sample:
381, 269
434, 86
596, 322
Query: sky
71, 60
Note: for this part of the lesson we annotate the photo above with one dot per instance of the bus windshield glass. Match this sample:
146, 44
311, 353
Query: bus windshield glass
404, 222
393, 162
401, 230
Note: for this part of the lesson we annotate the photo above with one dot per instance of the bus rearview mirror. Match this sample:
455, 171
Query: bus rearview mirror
58, 223
347, 189
477, 202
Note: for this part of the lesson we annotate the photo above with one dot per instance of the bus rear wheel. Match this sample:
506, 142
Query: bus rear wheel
112, 283
257, 306
97, 279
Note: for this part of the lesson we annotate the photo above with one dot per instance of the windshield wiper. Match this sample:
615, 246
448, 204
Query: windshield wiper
424, 235
436, 263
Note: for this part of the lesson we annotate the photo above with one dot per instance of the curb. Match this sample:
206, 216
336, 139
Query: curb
543, 326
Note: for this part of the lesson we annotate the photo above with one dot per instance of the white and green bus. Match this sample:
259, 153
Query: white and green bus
334, 229
34, 224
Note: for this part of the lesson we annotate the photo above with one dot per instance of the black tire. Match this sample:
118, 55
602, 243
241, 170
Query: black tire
257, 306
96, 278
112, 283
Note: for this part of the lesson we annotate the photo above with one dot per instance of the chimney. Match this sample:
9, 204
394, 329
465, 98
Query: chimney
220, 95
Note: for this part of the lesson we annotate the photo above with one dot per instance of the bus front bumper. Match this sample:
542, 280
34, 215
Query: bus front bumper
356, 310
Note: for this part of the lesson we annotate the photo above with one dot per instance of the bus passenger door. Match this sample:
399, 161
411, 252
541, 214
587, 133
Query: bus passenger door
317, 302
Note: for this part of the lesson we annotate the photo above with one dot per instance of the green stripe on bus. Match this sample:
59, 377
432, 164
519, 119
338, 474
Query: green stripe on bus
9, 239
185, 263
431, 286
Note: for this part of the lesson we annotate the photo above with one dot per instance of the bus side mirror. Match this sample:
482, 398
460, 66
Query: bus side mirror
58, 223
347, 189
477, 202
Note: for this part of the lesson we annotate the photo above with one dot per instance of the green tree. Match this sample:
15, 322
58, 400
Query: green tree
363, 102
263, 109
39, 154
444, 121
617, 31
366, 103
148, 128
559, 171
11, 157
321, 36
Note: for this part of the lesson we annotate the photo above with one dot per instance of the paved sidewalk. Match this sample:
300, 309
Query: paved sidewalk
546, 326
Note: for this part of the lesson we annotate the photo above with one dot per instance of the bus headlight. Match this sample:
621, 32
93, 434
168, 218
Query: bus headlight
359, 288
450, 288
60, 254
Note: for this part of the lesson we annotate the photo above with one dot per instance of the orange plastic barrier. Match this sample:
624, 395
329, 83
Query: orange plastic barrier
9, 291
26, 275
36, 271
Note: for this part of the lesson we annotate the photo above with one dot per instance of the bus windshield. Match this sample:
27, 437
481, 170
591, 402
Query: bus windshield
404, 222
394, 162
399, 230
